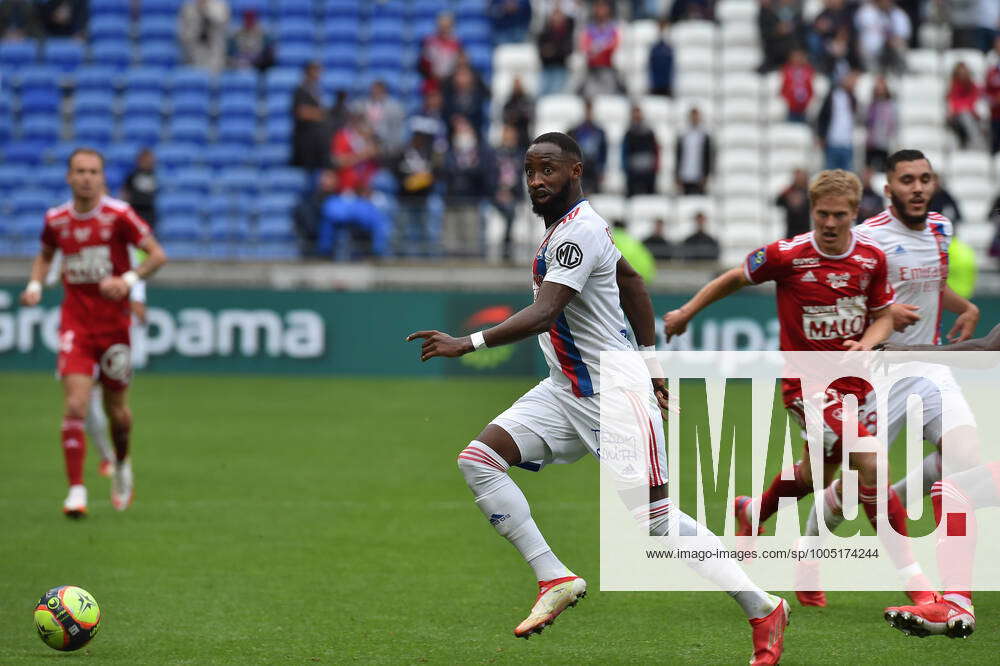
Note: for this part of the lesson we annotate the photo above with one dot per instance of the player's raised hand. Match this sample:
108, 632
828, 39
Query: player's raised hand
437, 343
113, 288
903, 315
675, 322
965, 326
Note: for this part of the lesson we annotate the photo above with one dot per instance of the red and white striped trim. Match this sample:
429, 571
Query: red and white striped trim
476, 454
951, 491
72, 423
646, 427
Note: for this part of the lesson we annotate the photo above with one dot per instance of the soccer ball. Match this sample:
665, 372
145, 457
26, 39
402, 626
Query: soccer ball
67, 617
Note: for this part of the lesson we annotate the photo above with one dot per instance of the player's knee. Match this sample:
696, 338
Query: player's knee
867, 466
479, 464
76, 406
121, 418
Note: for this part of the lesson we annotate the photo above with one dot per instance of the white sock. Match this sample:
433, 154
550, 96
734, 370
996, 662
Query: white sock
727, 574
96, 424
833, 510
505, 506
925, 475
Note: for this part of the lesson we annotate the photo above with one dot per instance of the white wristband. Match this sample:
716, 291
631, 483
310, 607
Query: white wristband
478, 340
34, 287
130, 277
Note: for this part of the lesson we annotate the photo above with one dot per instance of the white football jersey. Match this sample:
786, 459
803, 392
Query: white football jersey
918, 269
577, 251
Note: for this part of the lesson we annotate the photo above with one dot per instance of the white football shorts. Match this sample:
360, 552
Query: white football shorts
944, 405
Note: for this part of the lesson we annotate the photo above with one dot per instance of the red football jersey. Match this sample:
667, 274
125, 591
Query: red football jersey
823, 300
94, 246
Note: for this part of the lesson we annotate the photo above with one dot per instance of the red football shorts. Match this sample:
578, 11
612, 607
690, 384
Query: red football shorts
833, 420
107, 356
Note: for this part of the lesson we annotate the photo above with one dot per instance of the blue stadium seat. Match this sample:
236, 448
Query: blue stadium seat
120, 8
142, 103
238, 131
338, 30
280, 105
157, 26
96, 78
267, 155
30, 201
173, 155
346, 8
229, 229
382, 56
142, 130
481, 58
58, 153
28, 226
176, 226
15, 55
285, 180
11, 176
94, 131
278, 129
295, 30
111, 53
271, 205
470, 9
237, 105
238, 81
421, 28
188, 130
159, 53
25, 153
147, 79
237, 7
190, 104
428, 9
387, 31
168, 8
389, 9
334, 80
239, 180
474, 31
275, 251
341, 56
64, 54
110, 27
224, 155
42, 128
122, 155
190, 80
392, 78
42, 75
197, 179
295, 54
93, 103
298, 8
177, 202
51, 177
282, 80
276, 228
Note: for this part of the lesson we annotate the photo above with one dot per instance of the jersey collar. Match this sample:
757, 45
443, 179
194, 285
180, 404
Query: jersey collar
854, 239
90, 213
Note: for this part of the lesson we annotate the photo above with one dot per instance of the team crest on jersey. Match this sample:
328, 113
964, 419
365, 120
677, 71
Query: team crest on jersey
81, 234
838, 280
867, 263
569, 255
757, 259
808, 276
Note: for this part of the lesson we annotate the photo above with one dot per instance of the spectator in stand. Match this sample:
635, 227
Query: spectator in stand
310, 133
598, 42
141, 187
202, 30
348, 216
942, 202
797, 85
429, 120
519, 111
840, 57
19, 20
835, 18
963, 118
699, 246
794, 200
640, 156
593, 143
508, 190
692, 10
417, 170
974, 23
250, 46
308, 213
992, 92
468, 180
510, 20
64, 18
657, 243
661, 64
338, 113
439, 53
465, 94
354, 151
693, 162
555, 46
835, 123
872, 203
385, 115
882, 125
781, 31
883, 35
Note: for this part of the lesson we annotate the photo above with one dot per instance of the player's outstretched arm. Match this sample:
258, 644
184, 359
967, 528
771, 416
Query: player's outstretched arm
990, 342
968, 315
32, 294
676, 321
532, 320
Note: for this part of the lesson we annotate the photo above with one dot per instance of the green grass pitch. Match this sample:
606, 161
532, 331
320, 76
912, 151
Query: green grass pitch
288, 520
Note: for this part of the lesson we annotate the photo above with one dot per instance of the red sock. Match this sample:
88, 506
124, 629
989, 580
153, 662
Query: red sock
120, 438
898, 546
74, 444
782, 488
956, 546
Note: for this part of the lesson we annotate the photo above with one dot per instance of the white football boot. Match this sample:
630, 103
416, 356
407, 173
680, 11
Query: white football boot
75, 505
554, 596
121, 485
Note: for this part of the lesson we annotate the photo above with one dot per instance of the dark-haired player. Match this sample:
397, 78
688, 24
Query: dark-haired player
583, 292
94, 232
